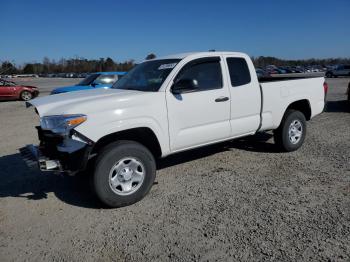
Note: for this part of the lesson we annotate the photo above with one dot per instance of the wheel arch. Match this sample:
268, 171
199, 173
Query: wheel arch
142, 135
303, 106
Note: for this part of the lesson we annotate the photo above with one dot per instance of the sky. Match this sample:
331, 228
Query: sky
123, 30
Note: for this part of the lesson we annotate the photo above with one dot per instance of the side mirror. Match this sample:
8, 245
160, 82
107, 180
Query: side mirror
185, 86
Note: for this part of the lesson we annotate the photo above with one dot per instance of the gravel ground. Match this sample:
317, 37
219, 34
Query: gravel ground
240, 200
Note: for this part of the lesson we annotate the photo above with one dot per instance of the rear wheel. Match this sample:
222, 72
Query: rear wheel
290, 135
124, 173
329, 75
26, 95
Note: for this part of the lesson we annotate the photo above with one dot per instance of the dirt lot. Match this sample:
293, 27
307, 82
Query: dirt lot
240, 200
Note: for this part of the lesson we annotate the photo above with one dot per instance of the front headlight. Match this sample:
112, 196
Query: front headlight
61, 124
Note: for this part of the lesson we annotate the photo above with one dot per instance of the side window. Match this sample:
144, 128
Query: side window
4, 83
239, 71
207, 73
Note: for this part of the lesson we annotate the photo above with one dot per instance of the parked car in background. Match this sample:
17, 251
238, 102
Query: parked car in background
261, 73
71, 75
348, 92
82, 75
276, 71
43, 75
272, 71
298, 69
315, 70
286, 70
25, 75
93, 81
341, 70
63, 75
281, 70
12, 91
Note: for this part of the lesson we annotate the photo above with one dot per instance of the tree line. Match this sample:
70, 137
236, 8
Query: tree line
72, 65
83, 65
263, 61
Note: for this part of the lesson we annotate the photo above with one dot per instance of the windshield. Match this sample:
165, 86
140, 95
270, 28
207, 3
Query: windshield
147, 76
105, 79
88, 81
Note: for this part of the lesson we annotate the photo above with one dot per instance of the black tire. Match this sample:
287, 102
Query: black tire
329, 75
283, 139
113, 154
26, 96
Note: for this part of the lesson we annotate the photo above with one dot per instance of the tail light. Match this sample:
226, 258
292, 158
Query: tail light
325, 88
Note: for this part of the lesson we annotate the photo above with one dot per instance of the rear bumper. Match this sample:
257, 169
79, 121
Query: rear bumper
56, 153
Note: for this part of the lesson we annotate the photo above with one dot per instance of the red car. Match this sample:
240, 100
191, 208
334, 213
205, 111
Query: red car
12, 91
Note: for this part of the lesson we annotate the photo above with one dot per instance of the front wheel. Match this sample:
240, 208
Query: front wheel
26, 95
291, 133
124, 173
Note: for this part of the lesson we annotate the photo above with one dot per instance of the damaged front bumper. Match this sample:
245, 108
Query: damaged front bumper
33, 158
58, 153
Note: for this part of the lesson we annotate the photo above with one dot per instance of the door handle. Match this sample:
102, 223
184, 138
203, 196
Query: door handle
222, 99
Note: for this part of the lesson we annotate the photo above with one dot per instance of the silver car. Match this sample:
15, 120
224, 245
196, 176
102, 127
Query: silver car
341, 70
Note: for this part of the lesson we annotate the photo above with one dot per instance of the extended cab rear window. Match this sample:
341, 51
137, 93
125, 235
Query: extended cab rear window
239, 71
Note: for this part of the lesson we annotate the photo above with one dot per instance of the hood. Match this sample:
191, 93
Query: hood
31, 87
81, 102
69, 89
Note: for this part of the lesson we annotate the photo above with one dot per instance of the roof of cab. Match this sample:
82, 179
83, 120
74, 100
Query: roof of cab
210, 53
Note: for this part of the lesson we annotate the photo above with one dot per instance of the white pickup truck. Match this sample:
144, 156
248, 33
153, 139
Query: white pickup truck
163, 106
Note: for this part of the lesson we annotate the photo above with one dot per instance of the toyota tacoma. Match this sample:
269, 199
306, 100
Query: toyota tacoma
164, 106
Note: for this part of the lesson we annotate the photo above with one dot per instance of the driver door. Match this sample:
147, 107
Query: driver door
200, 116
6, 90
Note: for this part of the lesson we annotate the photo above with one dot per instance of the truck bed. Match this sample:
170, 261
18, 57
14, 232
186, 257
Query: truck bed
278, 94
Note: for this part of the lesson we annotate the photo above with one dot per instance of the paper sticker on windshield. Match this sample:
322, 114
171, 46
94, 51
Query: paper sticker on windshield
167, 66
